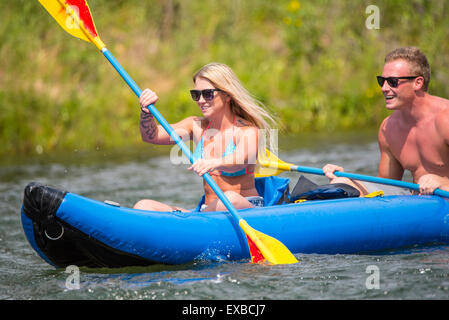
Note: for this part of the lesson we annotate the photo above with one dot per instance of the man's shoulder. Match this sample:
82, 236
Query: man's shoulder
388, 129
442, 118
444, 108
441, 101
435, 104
388, 122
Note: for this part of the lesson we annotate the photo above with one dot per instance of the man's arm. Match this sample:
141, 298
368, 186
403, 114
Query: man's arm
429, 182
443, 128
389, 166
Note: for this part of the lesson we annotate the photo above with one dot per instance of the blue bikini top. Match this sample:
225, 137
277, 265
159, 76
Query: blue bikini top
198, 154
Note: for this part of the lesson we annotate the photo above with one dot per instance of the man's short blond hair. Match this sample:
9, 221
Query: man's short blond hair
419, 66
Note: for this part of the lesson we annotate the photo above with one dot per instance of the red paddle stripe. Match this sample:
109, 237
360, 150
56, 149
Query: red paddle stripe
84, 14
256, 255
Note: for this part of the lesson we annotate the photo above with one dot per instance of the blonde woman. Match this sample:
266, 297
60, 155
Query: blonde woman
226, 137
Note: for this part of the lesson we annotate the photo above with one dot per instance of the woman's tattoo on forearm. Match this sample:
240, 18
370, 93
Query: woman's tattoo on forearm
148, 126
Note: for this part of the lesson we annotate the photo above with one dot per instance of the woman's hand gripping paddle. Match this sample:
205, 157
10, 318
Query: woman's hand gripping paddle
74, 16
269, 164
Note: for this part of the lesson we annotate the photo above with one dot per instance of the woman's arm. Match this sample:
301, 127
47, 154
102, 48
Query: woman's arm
153, 133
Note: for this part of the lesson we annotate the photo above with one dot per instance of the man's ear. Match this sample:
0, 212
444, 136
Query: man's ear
419, 83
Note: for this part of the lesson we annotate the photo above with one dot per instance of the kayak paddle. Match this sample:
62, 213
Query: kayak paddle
74, 17
272, 165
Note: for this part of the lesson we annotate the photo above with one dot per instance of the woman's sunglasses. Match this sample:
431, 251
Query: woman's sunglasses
392, 81
208, 94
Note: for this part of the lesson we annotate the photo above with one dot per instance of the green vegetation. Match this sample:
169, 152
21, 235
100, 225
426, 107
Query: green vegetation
312, 63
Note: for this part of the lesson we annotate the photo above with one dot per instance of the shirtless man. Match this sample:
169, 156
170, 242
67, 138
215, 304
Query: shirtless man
415, 136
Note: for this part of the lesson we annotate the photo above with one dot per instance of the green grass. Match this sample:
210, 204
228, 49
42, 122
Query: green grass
313, 63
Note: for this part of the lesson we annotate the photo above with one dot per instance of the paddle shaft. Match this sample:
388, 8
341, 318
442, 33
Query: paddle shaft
354, 176
171, 132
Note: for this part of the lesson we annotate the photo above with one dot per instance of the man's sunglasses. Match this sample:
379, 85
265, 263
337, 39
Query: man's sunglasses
208, 94
392, 81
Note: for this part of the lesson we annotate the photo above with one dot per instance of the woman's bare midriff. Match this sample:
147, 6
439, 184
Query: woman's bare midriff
244, 185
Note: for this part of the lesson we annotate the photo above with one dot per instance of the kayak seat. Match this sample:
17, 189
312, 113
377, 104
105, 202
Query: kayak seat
308, 190
274, 190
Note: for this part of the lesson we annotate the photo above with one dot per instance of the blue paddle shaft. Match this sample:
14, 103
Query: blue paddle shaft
170, 131
354, 176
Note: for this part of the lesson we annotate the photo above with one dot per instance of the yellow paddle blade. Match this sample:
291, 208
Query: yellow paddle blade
271, 249
75, 18
270, 165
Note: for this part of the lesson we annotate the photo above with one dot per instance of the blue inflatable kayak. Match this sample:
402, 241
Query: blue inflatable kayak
68, 229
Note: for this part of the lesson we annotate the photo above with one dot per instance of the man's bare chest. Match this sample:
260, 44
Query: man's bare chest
421, 151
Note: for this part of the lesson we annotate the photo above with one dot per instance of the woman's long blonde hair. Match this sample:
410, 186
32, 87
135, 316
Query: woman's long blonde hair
243, 104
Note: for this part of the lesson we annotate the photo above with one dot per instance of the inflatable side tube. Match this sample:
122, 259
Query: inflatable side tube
60, 244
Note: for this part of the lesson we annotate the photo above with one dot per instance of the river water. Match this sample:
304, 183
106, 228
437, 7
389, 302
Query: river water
129, 175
